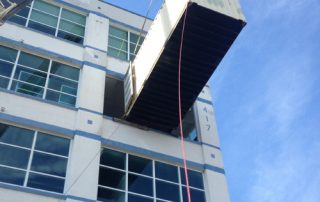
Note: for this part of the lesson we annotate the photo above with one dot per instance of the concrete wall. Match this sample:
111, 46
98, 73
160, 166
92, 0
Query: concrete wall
85, 124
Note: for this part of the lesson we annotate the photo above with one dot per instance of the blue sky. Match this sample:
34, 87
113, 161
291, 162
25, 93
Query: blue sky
267, 101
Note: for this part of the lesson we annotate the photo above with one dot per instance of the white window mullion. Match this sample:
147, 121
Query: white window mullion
14, 69
47, 80
180, 184
128, 46
30, 159
154, 181
58, 24
29, 14
127, 177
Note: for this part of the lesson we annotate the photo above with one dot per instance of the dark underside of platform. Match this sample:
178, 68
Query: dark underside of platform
207, 38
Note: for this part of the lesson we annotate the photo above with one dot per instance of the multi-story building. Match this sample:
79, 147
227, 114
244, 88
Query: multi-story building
69, 126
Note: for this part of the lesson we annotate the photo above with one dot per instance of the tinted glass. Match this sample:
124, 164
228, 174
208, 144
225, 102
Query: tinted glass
52, 144
113, 158
118, 33
63, 85
195, 195
65, 71
61, 98
195, 178
112, 178
49, 164
41, 27
16, 136
8, 54
141, 185
4, 82
108, 195
27, 89
140, 165
15, 157
30, 76
45, 7
70, 37
74, 17
135, 37
34, 61
167, 191
71, 27
5, 68
24, 12
43, 18
118, 44
11, 176
166, 172
45, 182
18, 20
135, 198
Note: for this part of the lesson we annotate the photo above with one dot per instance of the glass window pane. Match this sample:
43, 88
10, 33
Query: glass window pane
70, 37
15, 157
6, 68
52, 144
65, 71
4, 82
135, 37
167, 191
48, 8
16, 136
74, 17
112, 178
118, 44
24, 12
108, 195
49, 164
71, 27
27, 89
46, 182
118, 33
62, 98
135, 198
8, 54
195, 178
166, 172
117, 53
44, 18
140, 165
34, 61
12, 176
141, 185
41, 27
134, 49
113, 158
30, 76
63, 85
196, 195
18, 20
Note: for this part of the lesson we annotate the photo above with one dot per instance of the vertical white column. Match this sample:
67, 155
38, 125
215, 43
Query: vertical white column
215, 180
83, 169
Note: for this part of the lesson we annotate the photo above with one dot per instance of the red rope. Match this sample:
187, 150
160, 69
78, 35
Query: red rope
180, 113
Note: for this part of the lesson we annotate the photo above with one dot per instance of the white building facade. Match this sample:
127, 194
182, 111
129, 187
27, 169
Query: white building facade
60, 141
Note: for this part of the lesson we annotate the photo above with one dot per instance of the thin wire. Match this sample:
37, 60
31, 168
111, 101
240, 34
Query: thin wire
180, 113
142, 28
90, 162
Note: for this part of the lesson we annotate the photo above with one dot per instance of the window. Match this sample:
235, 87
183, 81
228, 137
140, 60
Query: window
33, 159
123, 44
36, 76
125, 177
53, 20
188, 126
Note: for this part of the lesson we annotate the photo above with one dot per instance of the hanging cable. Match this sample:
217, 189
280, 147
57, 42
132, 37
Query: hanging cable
180, 113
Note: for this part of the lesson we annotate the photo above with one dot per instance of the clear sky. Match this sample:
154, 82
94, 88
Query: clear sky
267, 101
